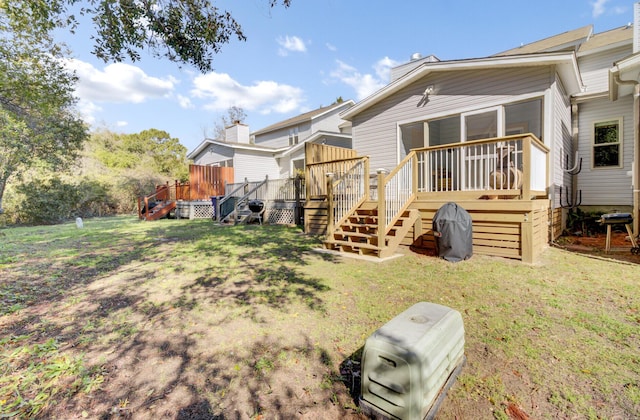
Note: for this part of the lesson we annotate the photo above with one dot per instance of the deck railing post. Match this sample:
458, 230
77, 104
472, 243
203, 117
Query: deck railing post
526, 174
414, 174
330, 212
297, 187
382, 207
367, 193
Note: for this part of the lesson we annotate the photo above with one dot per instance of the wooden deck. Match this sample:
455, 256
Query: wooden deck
515, 229
505, 194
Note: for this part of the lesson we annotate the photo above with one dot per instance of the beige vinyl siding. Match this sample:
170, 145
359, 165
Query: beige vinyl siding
560, 144
375, 129
212, 154
605, 186
594, 68
254, 166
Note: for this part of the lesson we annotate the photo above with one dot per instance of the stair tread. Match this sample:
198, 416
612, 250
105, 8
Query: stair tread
353, 244
358, 234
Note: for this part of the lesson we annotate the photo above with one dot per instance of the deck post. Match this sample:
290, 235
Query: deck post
414, 173
526, 238
330, 214
382, 208
367, 192
298, 211
526, 174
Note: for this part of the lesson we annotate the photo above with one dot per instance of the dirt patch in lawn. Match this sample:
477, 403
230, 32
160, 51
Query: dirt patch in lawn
595, 245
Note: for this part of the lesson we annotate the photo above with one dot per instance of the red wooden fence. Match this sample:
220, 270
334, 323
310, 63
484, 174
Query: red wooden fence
207, 181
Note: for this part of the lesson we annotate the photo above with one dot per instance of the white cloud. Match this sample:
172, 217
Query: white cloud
88, 111
121, 123
116, 83
184, 102
221, 92
331, 47
383, 67
291, 43
598, 7
364, 84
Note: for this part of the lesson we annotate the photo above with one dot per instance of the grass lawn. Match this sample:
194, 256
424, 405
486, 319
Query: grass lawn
186, 319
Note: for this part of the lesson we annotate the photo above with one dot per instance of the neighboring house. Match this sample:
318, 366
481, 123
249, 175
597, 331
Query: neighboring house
276, 151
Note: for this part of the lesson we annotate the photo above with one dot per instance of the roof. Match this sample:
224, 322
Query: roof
565, 63
307, 116
570, 40
236, 146
622, 36
313, 138
623, 76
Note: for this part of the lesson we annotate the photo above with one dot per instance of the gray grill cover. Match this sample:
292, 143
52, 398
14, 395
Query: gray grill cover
453, 231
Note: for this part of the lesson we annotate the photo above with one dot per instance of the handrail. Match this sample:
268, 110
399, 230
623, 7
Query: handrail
227, 197
160, 190
315, 174
244, 197
350, 190
398, 191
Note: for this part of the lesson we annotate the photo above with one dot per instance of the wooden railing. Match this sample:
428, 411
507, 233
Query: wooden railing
395, 192
165, 192
315, 174
283, 189
346, 192
316, 153
514, 166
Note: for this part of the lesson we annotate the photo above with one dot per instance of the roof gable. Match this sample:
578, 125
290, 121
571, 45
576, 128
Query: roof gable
299, 119
565, 62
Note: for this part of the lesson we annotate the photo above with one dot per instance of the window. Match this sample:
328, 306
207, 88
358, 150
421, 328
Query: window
607, 144
224, 163
481, 126
524, 117
412, 137
293, 136
298, 167
444, 131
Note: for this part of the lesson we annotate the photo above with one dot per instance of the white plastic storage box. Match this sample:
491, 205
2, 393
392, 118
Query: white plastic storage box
410, 362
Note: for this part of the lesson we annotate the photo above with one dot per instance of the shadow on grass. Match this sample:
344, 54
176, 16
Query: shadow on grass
100, 292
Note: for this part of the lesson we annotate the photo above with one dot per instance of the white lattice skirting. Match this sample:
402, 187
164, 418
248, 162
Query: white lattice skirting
194, 210
277, 213
280, 216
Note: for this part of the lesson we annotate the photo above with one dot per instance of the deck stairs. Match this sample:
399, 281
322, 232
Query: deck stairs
160, 210
241, 215
358, 234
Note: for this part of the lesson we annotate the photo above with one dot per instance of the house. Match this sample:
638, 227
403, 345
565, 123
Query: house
518, 139
276, 151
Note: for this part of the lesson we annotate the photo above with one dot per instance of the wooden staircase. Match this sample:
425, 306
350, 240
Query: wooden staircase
359, 233
161, 210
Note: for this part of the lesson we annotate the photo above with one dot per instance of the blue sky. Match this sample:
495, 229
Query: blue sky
304, 57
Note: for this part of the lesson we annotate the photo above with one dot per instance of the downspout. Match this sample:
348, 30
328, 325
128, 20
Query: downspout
635, 173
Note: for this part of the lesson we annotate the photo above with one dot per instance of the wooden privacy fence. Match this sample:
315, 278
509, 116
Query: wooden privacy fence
208, 181
315, 153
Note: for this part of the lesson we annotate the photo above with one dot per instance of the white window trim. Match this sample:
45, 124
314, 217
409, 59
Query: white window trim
292, 167
498, 106
499, 110
620, 143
